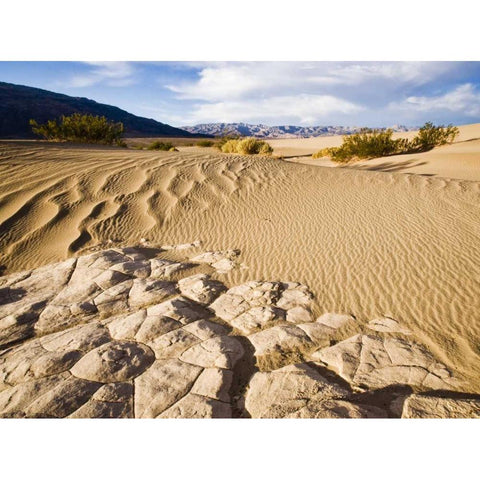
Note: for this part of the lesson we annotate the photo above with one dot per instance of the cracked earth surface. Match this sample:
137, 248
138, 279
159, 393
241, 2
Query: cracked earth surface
123, 333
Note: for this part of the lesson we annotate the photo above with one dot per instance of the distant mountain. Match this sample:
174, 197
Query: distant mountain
18, 104
281, 131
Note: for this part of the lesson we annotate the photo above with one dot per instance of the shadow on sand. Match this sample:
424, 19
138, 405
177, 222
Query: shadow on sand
391, 166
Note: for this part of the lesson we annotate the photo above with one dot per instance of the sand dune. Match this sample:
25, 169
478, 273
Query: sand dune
370, 243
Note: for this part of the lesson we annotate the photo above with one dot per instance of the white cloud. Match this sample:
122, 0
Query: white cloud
301, 109
228, 81
399, 72
301, 92
463, 99
233, 80
113, 74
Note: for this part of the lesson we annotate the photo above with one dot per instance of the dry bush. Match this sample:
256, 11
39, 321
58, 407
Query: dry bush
247, 146
230, 146
163, 146
205, 143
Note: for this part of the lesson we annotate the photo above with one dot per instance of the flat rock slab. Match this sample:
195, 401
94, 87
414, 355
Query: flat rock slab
335, 320
300, 391
220, 352
200, 288
221, 261
376, 362
280, 339
283, 344
198, 406
254, 306
257, 318
116, 361
424, 406
25, 295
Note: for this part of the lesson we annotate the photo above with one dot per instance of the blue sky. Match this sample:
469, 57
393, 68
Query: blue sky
273, 93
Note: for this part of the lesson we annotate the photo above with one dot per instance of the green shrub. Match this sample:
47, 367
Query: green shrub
163, 146
247, 146
325, 152
430, 136
366, 144
81, 128
205, 143
379, 143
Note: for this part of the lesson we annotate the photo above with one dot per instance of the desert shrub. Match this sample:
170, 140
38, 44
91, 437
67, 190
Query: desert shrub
365, 144
325, 152
379, 143
430, 136
205, 143
163, 146
81, 128
229, 146
247, 146
224, 139
253, 146
265, 149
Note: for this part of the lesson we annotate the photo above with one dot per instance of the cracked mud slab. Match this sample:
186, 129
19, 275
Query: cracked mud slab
122, 333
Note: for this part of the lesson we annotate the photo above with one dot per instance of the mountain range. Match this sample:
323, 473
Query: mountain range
280, 131
19, 104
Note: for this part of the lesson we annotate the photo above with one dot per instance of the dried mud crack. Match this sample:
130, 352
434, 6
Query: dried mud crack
127, 332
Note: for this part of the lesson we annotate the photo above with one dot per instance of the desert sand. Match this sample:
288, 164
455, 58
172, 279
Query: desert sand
372, 243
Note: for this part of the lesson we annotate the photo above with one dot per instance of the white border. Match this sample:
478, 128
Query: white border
246, 30
239, 30
239, 449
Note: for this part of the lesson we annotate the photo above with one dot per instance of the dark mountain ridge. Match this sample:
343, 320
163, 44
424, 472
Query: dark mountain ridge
19, 104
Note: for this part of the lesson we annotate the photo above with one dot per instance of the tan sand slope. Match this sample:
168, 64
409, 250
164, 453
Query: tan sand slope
367, 243
460, 160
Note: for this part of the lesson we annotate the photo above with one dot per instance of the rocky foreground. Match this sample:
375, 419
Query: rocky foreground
125, 333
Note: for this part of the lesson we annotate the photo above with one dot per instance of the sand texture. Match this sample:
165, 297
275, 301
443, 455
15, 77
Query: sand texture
370, 243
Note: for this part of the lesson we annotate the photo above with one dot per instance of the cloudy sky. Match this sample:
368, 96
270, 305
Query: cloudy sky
274, 93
